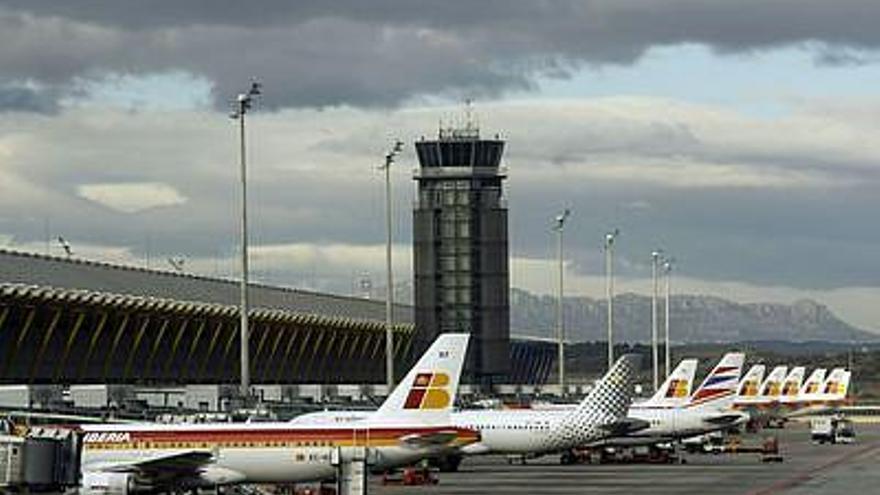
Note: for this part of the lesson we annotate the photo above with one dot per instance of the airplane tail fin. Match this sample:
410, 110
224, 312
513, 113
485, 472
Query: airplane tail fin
720, 386
677, 387
843, 386
772, 386
836, 386
428, 391
813, 384
608, 400
751, 383
792, 384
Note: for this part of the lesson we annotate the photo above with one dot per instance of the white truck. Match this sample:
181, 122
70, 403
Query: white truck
831, 430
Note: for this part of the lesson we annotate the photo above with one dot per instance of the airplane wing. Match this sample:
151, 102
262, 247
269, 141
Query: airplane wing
185, 463
434, 439
184, 469
625, 426
724, 419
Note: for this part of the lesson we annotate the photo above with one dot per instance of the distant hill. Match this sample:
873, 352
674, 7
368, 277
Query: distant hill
693, 319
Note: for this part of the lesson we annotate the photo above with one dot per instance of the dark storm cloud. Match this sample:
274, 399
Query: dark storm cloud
381, 52
719, 190
807, 239
22, 99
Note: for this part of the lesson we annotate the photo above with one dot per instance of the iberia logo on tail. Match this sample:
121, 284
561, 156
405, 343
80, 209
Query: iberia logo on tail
429, 391
772, 389
834, 388
749, 388
677, 389
790, 388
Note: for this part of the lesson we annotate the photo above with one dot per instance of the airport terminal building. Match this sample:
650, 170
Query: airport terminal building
81, 322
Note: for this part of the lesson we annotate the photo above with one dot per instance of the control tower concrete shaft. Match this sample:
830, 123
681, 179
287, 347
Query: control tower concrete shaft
461, 249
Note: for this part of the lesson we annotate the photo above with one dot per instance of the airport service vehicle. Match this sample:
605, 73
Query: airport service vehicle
531, 432
831, 429
413, 423
719, 443
822, 430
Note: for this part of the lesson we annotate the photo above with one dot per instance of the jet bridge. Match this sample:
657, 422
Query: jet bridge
39, 460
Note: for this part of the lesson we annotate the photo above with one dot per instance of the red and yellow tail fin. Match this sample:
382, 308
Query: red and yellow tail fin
427, 393
677, 387
750, 385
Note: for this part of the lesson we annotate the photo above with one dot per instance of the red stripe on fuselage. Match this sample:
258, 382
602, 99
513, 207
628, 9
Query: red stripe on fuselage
256, 435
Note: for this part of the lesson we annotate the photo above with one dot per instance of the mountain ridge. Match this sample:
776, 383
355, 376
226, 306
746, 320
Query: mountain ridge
693, 319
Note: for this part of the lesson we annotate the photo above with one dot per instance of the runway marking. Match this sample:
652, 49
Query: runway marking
809, 474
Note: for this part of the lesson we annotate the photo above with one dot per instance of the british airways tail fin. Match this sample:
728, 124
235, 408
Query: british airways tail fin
720, 386
428, 391
751, 383
678, 385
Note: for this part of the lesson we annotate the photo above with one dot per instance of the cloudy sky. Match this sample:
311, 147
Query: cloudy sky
738, 136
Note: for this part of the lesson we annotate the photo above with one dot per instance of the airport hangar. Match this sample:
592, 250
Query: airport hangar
70, 321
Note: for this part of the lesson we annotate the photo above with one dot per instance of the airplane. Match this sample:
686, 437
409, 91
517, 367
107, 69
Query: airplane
537, 432
830, 393
814, 382
530, 432
750, 384
675, 391
768, 393
791, 387
677, 388
780, 399
412, 423
708, 409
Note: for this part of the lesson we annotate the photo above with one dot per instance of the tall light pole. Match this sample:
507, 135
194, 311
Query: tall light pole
243, 104
655, 260
389, 273
610, 237
667, 271
65, 246
560, 323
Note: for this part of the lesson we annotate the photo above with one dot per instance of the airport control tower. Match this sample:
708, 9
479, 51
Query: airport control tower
460, 248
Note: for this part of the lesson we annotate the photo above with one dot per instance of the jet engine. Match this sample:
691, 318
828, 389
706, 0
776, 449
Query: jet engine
99, 483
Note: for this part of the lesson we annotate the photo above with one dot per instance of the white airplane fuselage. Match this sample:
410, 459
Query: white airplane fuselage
511, 431
522, 431
262, 452
515, 431
680, 422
